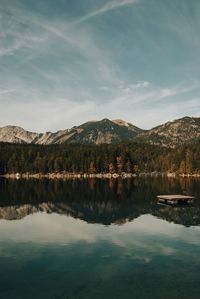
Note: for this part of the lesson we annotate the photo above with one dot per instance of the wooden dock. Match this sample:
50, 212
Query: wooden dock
175, 200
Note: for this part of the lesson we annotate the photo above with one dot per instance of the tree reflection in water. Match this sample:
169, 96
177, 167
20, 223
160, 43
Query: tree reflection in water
99, 201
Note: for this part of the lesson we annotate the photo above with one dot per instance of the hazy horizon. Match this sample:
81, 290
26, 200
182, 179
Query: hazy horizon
67, 62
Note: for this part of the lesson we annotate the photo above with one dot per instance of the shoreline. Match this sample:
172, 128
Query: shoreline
64, 176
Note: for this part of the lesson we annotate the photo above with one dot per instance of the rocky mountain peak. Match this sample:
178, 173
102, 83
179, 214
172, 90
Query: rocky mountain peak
15, 134
121, 122
172, 133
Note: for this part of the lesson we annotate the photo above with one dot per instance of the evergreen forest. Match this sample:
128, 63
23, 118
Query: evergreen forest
114, 158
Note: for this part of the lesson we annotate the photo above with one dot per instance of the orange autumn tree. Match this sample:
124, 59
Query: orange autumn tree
119, 164
182, 167
111, 168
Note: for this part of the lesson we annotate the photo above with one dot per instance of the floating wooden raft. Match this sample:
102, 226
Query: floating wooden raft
175, 199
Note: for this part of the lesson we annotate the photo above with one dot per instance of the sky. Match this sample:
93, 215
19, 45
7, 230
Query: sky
65, 62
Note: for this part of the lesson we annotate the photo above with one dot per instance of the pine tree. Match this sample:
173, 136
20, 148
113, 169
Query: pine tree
92, 169
189, 161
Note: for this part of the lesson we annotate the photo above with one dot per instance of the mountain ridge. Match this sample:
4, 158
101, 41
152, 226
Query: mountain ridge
172, 133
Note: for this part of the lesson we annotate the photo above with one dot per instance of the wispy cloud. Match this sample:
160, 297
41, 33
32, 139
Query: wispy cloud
108, 6
139, 69
130, 102
17, 35
6, 91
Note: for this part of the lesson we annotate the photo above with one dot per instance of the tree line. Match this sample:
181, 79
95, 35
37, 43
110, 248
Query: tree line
114, 158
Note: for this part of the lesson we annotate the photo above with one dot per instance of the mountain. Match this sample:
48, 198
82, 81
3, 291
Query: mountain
93, 132
104, 131
171, 134
14, 134
106, 213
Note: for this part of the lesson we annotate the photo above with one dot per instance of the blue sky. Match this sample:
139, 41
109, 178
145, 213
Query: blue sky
65, 62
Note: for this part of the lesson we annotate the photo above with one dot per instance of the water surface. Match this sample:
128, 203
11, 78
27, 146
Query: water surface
98, 239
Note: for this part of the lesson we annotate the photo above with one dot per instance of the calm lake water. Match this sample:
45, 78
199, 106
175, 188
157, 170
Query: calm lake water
95, 239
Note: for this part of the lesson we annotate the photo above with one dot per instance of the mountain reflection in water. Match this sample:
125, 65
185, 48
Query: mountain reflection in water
99, 201
86, 239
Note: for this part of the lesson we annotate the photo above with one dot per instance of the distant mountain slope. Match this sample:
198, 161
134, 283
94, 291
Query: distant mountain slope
93, 132
14, 134
104, 131
174, 133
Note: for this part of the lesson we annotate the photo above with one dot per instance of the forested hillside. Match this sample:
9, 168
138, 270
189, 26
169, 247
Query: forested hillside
123, 157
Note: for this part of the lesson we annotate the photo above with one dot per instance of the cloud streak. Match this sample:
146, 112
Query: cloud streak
139, 69
109, 6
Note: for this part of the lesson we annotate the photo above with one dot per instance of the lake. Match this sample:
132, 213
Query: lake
92, 239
